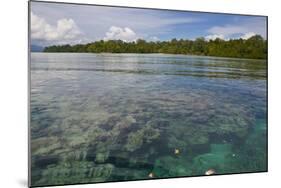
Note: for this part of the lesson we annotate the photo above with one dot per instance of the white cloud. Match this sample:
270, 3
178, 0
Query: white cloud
213, 37
64, 30
153, 38
244, 29
117, 33
144, 22
248, 35
227, 30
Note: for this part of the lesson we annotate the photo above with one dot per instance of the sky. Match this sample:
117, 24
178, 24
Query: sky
56, 23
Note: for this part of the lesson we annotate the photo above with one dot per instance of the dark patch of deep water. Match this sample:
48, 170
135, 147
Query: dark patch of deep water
107, 117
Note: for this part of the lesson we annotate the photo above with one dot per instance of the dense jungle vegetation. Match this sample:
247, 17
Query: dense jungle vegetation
254, 47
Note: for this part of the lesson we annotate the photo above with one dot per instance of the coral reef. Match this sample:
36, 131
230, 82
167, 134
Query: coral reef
75, 172
145, 135
151, 126
101, 157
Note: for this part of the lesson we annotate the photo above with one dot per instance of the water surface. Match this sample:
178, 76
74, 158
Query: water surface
112, 117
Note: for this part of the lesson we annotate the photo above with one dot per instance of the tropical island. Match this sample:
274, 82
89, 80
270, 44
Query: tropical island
254, 47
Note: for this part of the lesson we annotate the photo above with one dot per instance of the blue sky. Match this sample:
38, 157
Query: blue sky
54, 23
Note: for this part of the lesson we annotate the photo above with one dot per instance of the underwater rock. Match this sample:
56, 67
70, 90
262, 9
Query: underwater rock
94, 133
101, 157
231, 119
109, 142
145, 135
151, 175
45, 145
134, 141
103, 142
75, 155
101, 171
126, 122
150, 134
177, 151
77, 140
75, 172
210, 172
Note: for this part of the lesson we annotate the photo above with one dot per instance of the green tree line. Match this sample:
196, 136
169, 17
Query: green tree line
254, 47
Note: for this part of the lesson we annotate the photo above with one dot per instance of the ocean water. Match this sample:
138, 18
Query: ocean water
115, 117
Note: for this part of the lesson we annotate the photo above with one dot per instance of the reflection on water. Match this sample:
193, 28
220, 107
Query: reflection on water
111, 117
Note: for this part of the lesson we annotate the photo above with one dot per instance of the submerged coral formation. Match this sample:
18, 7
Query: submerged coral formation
142, 136
75, 172
94, 150
111, 126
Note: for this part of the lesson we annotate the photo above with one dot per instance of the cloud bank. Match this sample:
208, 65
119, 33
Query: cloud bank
68, 24
248, 35
64, 30
242, 30
215, 36
117, 33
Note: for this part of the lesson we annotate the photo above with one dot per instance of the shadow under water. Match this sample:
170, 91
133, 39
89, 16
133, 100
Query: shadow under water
107, 117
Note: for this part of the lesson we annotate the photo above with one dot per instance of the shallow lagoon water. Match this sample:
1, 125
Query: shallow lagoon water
113, 117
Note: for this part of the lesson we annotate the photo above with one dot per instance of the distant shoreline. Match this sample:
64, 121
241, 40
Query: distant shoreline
254, 47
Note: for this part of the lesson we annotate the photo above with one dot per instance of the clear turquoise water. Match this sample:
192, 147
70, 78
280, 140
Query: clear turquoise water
112, 117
